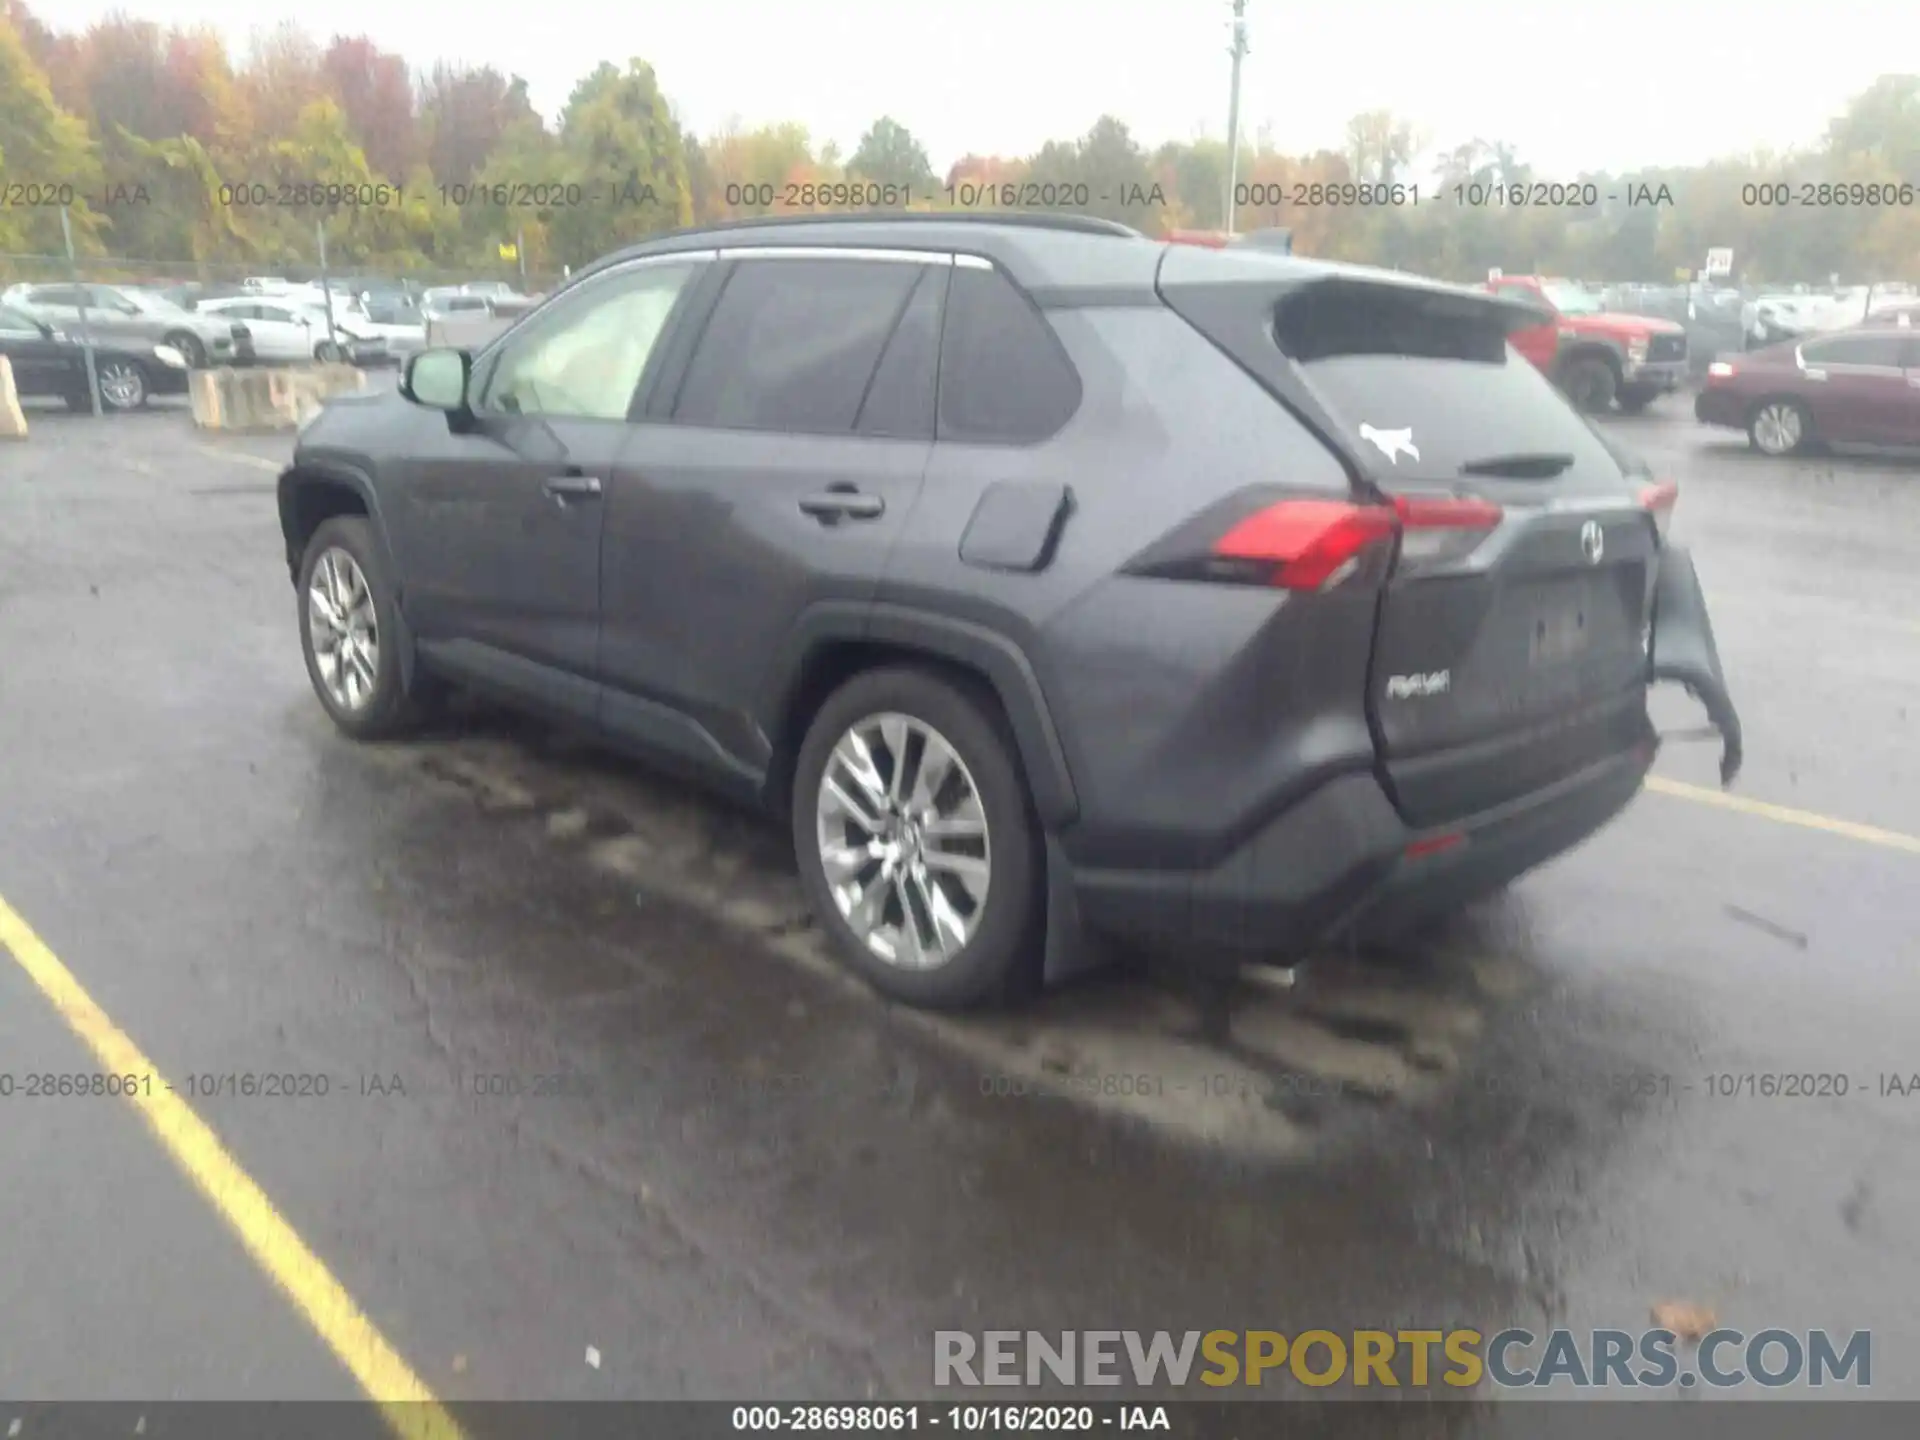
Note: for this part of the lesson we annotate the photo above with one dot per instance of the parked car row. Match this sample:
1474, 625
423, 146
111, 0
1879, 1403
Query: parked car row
48, 364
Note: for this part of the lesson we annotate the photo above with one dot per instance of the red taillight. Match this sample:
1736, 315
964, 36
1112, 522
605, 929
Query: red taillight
1719, 370
1658, 501
1309, 543
1436, 845
1314, 544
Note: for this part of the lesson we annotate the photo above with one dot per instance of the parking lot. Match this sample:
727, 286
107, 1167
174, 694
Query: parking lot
600, 1120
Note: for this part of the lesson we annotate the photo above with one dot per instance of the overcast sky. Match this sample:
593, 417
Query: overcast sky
1626, 84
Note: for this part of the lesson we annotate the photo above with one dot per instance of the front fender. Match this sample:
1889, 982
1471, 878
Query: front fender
1683, 650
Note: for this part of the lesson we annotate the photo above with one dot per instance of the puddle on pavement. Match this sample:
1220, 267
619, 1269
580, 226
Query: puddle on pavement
1301, 1061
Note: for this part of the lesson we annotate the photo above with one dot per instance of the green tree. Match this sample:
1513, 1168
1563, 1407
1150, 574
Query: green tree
620, 143
890, 155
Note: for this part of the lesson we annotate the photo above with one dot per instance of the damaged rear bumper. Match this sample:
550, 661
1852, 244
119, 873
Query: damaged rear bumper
1683, 651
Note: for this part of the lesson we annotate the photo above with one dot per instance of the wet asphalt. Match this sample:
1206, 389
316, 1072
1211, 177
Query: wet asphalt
590, 1081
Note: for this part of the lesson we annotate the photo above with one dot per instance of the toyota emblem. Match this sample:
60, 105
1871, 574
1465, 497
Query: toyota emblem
1593, 541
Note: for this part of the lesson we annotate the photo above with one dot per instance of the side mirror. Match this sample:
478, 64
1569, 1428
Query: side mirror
46, 330
438, 380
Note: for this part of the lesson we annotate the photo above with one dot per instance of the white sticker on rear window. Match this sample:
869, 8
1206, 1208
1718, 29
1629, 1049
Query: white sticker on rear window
1391, 442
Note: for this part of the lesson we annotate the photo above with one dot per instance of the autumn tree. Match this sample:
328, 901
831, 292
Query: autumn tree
374, 90
463, 113
42, 145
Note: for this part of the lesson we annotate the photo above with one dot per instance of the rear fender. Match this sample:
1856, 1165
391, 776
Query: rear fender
1683, 651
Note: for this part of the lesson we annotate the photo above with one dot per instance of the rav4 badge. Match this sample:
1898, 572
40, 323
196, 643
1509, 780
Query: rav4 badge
1411, 687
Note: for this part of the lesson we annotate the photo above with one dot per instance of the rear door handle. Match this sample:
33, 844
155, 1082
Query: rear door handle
563, 488
833, 505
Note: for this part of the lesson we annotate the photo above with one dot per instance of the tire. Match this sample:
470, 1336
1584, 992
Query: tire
1633, 402
386, 707
190, 348
123, 385
987, 963
1780, 427
326, 352
1590, 383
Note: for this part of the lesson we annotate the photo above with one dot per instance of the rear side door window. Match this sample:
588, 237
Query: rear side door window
1004, 377
794, 345
1880, 352
901, 401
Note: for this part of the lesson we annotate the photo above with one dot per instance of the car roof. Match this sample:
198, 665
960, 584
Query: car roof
1040, 252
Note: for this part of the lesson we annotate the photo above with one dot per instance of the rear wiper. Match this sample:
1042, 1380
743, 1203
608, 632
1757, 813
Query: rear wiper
1519, 467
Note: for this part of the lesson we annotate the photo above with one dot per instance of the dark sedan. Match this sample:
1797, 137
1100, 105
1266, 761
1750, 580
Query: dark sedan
1855, 386
49, 365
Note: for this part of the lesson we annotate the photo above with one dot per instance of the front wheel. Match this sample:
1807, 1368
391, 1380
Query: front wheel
916, 841
123, 385
350, 632
327, 352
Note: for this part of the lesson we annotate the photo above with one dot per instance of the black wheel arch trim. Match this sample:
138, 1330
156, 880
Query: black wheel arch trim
1004, 665
305, 472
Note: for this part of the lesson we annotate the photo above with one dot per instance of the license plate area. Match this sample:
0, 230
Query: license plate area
1562, 629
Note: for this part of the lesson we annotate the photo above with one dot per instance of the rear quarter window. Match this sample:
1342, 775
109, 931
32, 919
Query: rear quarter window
1003, 375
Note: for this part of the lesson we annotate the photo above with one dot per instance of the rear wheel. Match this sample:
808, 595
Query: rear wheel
1590, 384
326, 352
915, 839
1780, 427
1634, 399
190, 348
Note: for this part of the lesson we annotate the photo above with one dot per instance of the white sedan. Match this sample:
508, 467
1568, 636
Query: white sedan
283, 333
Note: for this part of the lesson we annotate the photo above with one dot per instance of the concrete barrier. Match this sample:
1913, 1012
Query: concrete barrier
13, 424
465, 332
228, 399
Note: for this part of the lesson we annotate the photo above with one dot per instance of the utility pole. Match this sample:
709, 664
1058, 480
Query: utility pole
1238, 51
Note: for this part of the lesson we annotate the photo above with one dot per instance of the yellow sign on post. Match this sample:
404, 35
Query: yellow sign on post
1683, 274
509, 252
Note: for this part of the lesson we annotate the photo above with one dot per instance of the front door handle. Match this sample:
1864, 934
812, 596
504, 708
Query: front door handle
565, 488
836, 505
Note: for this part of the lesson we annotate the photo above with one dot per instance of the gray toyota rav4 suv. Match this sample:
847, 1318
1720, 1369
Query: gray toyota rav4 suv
1048, 580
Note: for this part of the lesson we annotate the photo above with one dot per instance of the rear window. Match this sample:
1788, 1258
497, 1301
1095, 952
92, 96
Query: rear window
1426, 383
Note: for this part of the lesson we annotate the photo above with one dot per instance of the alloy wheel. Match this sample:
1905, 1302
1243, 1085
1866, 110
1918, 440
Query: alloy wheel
1777, 429
903, 841
122, 386
344, 629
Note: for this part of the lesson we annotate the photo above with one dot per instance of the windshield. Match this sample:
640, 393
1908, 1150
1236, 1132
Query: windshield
1570, 299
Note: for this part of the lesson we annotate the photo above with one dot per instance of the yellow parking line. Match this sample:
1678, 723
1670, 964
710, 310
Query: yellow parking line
412, 1410
1785, 815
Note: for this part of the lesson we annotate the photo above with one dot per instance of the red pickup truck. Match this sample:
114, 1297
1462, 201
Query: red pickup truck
1595, 356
